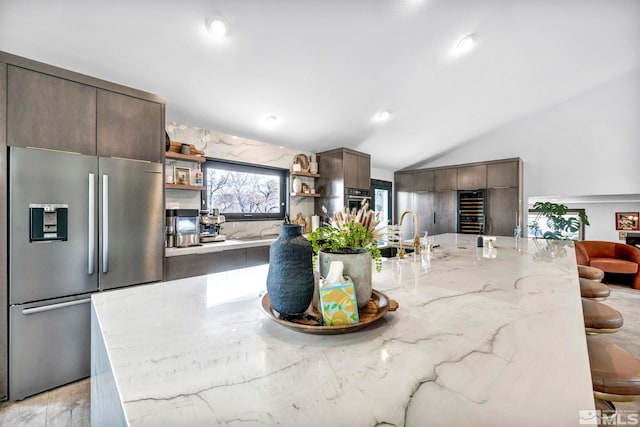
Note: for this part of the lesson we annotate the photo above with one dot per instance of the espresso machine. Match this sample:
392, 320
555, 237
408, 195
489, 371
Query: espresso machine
210, 225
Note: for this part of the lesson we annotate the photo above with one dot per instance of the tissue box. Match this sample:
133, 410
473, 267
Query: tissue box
338, 304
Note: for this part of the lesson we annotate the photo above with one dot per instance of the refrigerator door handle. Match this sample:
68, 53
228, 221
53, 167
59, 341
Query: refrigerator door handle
92, 223
105, 223
35, 310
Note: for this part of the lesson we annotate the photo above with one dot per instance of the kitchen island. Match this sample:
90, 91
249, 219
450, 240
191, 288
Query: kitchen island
481, 337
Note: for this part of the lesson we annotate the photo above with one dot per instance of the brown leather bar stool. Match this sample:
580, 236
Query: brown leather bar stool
592, 273
615, 373
600, 318
593, 290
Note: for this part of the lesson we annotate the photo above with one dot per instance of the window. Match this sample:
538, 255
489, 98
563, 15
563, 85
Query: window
244, 191
381, 191
542, 226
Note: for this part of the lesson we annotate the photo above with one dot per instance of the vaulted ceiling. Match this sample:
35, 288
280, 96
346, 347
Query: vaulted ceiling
325, 68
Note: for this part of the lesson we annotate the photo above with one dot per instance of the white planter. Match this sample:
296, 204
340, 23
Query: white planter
358, 266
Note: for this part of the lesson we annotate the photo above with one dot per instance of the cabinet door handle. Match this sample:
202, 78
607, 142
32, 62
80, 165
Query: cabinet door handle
105, 223
50, 307
92, 223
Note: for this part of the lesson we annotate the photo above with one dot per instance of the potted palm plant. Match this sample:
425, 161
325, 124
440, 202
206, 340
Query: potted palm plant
350, 237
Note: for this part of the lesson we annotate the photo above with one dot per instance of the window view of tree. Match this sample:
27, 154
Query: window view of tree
243, 190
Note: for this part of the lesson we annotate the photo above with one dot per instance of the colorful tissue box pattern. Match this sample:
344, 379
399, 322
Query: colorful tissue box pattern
338, 303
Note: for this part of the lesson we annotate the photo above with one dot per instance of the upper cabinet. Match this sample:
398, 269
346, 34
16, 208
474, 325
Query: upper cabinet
48, 112
404, 181
52, 108
446, 179
129, 127
472, 177
357, 169
423, 180
504, 174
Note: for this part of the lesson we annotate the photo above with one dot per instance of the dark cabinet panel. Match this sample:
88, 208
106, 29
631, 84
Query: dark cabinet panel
357, 170
129, 127
350, 165
502, 208
472, 177
502, 174
3, 236
423, 181
404, 181
446, 208
425, 207
364, 171
258, 255
446, 179
179, 267
49, 112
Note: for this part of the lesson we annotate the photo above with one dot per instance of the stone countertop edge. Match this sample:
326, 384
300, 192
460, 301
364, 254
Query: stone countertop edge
219, 246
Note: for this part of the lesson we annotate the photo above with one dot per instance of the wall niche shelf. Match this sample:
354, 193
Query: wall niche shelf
309, 174
185, 157
184, 187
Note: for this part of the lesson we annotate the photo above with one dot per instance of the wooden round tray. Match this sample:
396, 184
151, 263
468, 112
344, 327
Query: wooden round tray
310, 322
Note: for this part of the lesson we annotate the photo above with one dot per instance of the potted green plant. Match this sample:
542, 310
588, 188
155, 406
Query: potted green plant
350, 237
561, 227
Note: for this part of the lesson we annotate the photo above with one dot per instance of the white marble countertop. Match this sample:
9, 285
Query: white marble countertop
219, 246
481, 337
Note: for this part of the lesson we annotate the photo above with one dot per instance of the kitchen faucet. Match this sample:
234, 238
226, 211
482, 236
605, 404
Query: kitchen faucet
416, 233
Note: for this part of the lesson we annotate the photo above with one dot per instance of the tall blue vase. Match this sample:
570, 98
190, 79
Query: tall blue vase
290, 277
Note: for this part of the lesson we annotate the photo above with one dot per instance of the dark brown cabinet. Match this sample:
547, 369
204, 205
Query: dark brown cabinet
129, 127
179, 267
425, 207
44, 111
404, 181
357, 170
445, 179
472, 177
502, 206
423, 181
445, 212
432, 193
504, 174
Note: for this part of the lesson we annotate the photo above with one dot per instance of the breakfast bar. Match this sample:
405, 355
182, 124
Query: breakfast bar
482, 336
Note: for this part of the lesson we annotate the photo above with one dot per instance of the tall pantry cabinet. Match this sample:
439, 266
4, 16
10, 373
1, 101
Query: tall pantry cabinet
433, 194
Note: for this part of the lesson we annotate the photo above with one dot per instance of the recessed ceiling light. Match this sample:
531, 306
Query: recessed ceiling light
467, 43
271, 120
382, 116
217, 26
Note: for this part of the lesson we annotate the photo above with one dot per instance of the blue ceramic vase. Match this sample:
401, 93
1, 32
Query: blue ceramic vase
290, 277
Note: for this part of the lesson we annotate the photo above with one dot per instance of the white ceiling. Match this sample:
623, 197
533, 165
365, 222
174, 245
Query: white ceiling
326, 67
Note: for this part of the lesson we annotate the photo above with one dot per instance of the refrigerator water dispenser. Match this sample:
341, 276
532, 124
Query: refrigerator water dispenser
48, 222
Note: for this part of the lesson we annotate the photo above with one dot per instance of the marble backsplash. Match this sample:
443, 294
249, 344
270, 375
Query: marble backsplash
228, 147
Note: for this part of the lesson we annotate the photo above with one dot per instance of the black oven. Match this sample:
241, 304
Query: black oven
354, 198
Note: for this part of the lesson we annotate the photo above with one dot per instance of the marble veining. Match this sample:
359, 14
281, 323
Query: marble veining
222, 146
476, 341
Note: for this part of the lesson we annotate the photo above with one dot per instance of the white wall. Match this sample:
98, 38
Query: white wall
587, 145
382, 174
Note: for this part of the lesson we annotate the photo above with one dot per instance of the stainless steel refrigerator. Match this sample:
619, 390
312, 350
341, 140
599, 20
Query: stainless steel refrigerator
77, 224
